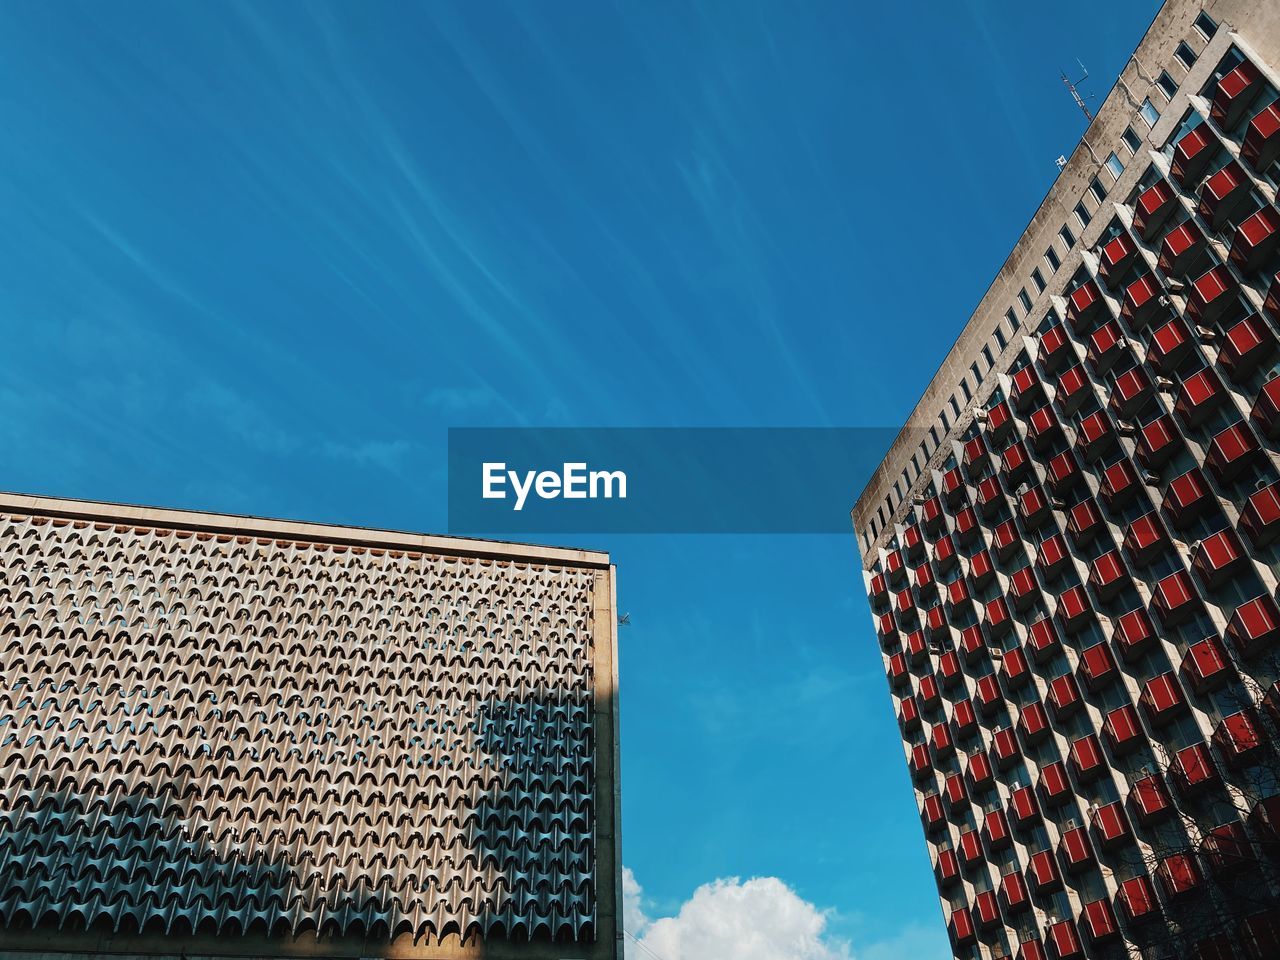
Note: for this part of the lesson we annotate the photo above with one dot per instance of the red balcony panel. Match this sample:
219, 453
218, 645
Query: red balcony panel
915, 647
1023, 588
1115, 257
999, 421
1107, 575
1096, 436
1072, 389
1209, 295
909, 714
1175, 600
1055, 788
1052, 556
1262, 139
1134, 634
1218, 558
1178, 875
1110, 826
1064, 941
1153, 208
1245, 347
931, 511
956, 794
995, 826
1023, 806
1122, 730
1042, 872
1149, 799
985, 909
959, 595
1014, 669
913, 542
905, 605
1131, 391
1043, 426
936, 621
1162, 699
1073, 610
981, 773
1193, 771
947, 869
1064, 472
1222, 194
999, 620
1084, 304
1043, 640
949, 669
981, 569
1083, 522
944, 554
1170, 345
1074, 850
1017, 464
1119, 484
894, 567
1256, 239
899, 676
1097, 667
1106, 345
1186, 498
1055, 350
1136, 899
879, 589
963, 719
1255, 626
886, 628
1158, 441
1182, 248
1234, 94
1027, 389
1086, 758
1191, 156
1201, 394
1146, 539
966, 529
972, 643
976, 453
988, 695
1064, 697
1266, 409
970, 848
942, 741
1206, 667
1142, 301
1033, 723
1239, 738
953, 487
1099, 922
1004, 747
1226, 849
921, 763
961, 927
923, 576
1013, 893
1005, 538
932, 813
929, 695
1033, 505
1231, 451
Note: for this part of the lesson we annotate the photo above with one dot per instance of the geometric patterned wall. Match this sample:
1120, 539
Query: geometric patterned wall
214, 734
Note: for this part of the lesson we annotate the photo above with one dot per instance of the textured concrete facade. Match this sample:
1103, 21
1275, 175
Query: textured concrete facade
1070, 551
231, 736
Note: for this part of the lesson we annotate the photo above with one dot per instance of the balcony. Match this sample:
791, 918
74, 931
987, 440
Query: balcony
1096, 436
1073, 611
1055, 788
1087, 761
1043, 427
1162, 699
899, 676
1245, 347
1055, 350
959, 597
953, 487
1097, 667
1255, 240
1122, 730
1178, 875
1075, 852
894, 567
1193, 771
1262, 934
1013, 893
1182, 250
1110, 826
947, 869
964, 721
1134, 634
1006, 539
980, 569
936, 621
981, 774
1232, 451
1209, 295
941, 741
1149, 800
1262, 139
966, 526
1169, 346
1142, 301
949, 669
995, 826
1226, 849
932, 513
1145, 539
961, 927
921, 763
1033, 724
1015, 464
1106, 346
1064, 697
1043, 640
1186, 499
1218, 558
1108, 576
944, 554
878, 589
1206, 667
970, 848
1072, 389
905, 605
1083, 522
976, 454
909, 714
931, 813
1042, 873
916, 649
1175, 601
1027, 389
1239, 739
1024, 589
1099, 922
1084, 305
1234, 95
1153, 208
1051, 557
973, 644
1191, 156
986, 910
1119, 485
1115, 257
1033, 506
925, 583
1023, 807
1004, 748
999, 421
1136, 899
1201, 394
1223, 193
928, 693
1266, 409
1064, 941
987, 693
956, 795
1254, 627
1131, 392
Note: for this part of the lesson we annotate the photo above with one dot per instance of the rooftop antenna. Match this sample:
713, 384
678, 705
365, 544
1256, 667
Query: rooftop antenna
1075, 92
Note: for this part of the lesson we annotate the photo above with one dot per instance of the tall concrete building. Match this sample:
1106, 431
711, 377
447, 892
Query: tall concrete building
241, 737
1071, 549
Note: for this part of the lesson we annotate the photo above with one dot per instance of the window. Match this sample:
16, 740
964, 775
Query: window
977, 379
1149, 113
1024, 300
1168, 86
1098, 190
955, 407
1185, 55
1114, 166
1012, 319
1068, 238
1038, 279
945, 423
1051, 257
1131, 140
1000, 338
1206, 25
1082, 214
986, 355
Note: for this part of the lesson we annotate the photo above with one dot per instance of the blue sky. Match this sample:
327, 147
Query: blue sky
257, 258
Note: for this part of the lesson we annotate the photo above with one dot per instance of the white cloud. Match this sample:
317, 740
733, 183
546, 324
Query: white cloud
759, 919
